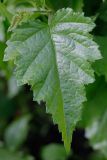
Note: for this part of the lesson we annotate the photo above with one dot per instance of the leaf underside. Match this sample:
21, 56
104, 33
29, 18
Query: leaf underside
55, 59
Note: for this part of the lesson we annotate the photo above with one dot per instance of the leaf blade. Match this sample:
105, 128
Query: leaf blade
58, 65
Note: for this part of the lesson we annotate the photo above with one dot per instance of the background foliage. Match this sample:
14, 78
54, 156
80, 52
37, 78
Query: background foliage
26, 131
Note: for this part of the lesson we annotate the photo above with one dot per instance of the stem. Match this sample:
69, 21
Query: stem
5, 12
40, 11
44, 12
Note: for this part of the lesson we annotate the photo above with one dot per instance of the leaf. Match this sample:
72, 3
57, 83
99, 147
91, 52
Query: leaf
54, 152
21, 17
16, 133
13, 89
5, 12
100, 66
55, 60
95, 117
96, 103
7, 155
97, 133
15, 6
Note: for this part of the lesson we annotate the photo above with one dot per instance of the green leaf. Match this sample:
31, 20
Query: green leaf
95, 116
13, 89
16, 133
96, 104
15, 6
55, 60
100, 66
54, 152
4, 12
7, 155
22, 17
97, 133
